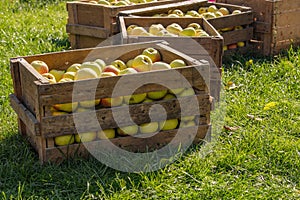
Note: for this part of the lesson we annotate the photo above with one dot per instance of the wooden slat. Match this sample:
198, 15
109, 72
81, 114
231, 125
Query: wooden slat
232, 37
91, 31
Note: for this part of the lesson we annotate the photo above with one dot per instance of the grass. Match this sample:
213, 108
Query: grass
258, 160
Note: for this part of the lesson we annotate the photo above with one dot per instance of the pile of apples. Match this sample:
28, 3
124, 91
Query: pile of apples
209, 12
173, 30
118, 2
150, 59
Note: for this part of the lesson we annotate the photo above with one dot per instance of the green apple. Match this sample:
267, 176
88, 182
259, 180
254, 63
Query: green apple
92, 65
188, 118
193, 13
58, 74
150, 127
177, 63
64, 140
209, 15
195, 25
128, 130
174, 28
85, 137
189, 31
202, 10
176, 91
142, 63
152, 53
74, 67
106, 134
40, 66
155, 28
155, 95
127, 71
112, 102
187, 124
50, 77
160, 65
101, 63
119, 64
89, 104
135, 98
85, 73
103, 2
212, 8
168, 124
129, 63
218, 14
70, 75
236, 12
187, 92
137, 31
178, 12
224, 11
169, 96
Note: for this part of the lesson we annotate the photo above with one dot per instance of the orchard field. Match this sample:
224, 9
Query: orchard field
257, 155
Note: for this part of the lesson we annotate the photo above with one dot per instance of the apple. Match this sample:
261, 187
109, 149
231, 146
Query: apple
160, 65
103, 2
195, 25
189, 31
92, 65
85, 137
74, 67
218, 14
193, 13
169, 96
166, 33
187, 92
212, 8
111, 68
49, 77
127, 130
236, 12
135, 98
176, 91
107, 74
118, 64
168, 124
70, 75
177, 63
64, 140
58, 113
142, 63
225, 48
232, 46
150, 127
224, 11
66, 107
112, 102
89, 104
187, 124
127, 71
40, 66
138, 31
101, 63
155, 28
238, 28
177, 12
58, 74
106, 134
85, 73
241, 44
63, 80
82, 109
152, 53
174, 28
202, 10
173, 15
209, 15
188, 118
157, 94
147, 100
121, 3
130, 28
201, 33
129, 63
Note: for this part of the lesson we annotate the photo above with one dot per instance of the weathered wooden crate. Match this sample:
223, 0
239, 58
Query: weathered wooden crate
34, 97
244, 19
276, 24
90, 24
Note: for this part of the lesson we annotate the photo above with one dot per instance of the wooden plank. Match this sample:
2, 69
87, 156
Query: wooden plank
232, 37
91, 31
105, 117
133, 144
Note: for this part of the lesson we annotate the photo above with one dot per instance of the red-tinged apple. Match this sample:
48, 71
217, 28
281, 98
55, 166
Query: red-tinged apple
150, 127
127, 71
64, 140
74, 67
177, 63
224, 11
106, 134
92, 65
85, 137
176, 91
128, 130
142, 63
187, 124
89, 104
49, 77
119, 64
169, 96
168, 124
101, 63
174, 28
188, 118
135, 98
152, 53
40, 66
160, 65
232, 46
155, 95
85, 73
112, 102
107, 74
58, 74
129, 63
70, 75
155, 28
111, 68
187, 92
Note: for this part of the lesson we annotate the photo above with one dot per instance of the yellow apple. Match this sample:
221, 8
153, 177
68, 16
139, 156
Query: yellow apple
187, 124
193, 13
111, 68
147, 100
107, 74
189, 31
82, 109
241, 44
138, 31
236, 12
119, 64
92, 65
142, 63
155, 95
224, 11
85, 137
212, 8
150, 127
66, 107
106, 134
128, 130
168, 124
58, 113
127, 71
155, 28
152, 53
58, 74
40, 66
177, 63
195, 25
129, 63
176, 91
187, 92
174, 28
188, 118
70, 75
112, 102
89, 104
100, 62
64, 140
85, 73
135, 98
218, 14
49, 77
202, 10
160, 65
169, 96
74, 67
103, 2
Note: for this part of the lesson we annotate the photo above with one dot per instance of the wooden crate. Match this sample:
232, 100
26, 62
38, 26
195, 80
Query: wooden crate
34, 97
244, 19
90, 24
276, 24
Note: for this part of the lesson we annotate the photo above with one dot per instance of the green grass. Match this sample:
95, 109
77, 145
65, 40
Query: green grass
260, 160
